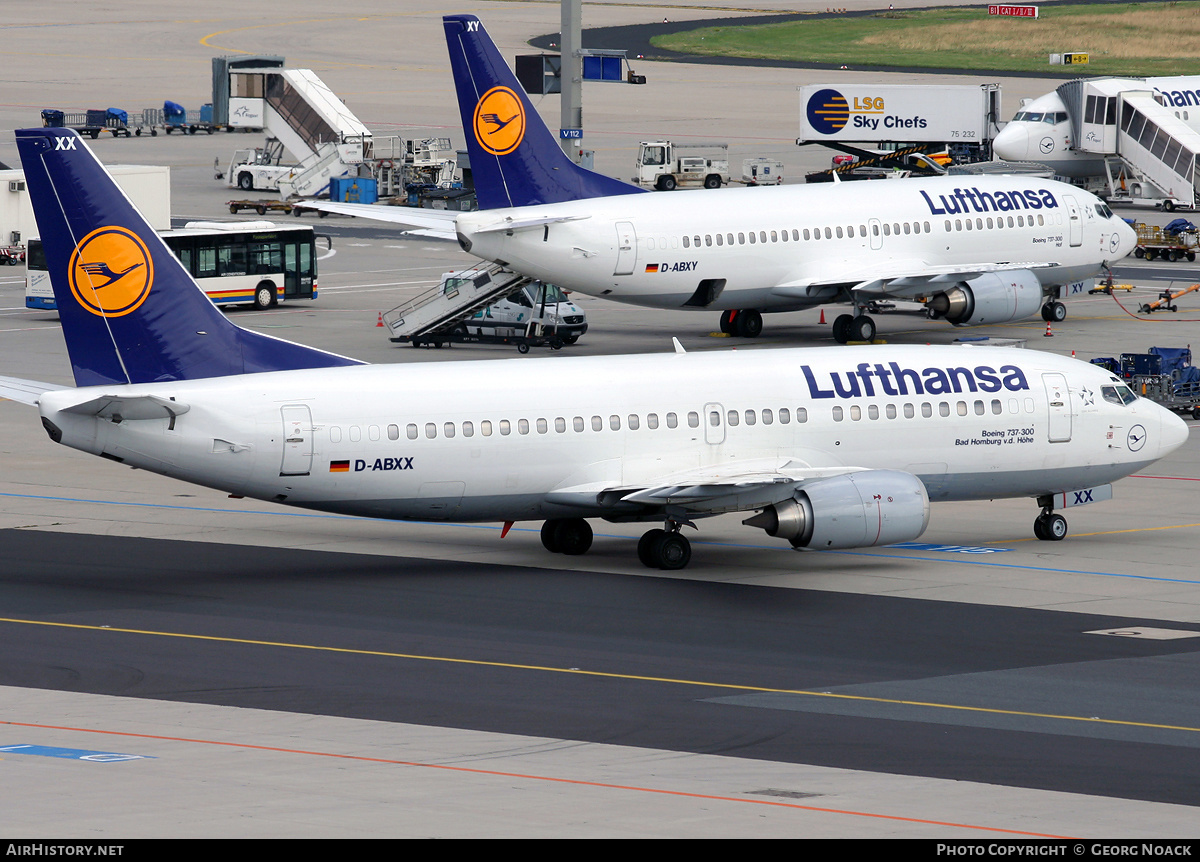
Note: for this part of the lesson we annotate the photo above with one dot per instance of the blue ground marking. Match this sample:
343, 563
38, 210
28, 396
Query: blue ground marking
72, 753
959, 559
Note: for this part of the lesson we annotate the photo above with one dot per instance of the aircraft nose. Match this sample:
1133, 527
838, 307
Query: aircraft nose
1126, 240
1012, 144
1172, 432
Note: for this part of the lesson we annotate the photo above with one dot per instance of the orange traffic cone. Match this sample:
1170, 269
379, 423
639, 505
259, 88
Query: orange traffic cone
379, 322
1049, 334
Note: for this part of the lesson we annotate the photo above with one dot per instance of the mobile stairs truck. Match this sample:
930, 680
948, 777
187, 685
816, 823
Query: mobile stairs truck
446, 314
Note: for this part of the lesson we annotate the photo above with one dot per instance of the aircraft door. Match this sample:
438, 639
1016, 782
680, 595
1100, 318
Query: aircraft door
297, 440
1075, 220
876, 233
626, 248
714, 423
1058, 397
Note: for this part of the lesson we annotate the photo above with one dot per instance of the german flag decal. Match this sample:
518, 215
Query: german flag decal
652, 267
339, 466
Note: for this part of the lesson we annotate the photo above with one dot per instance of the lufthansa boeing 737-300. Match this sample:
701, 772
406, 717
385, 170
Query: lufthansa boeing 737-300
974, 250
833, 447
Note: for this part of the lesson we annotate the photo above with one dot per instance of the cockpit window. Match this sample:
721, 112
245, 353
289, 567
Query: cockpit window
1118, 393
1103, 210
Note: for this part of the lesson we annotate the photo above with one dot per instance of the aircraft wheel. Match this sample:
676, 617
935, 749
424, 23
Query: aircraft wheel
572, 536
1050, 528
1058, 312
646, 545
550, 535
841, 328
672, 552
862, 328
748, 323
727, 322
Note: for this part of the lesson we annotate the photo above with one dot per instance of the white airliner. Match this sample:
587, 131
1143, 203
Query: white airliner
979, 250
837, 447
1041, 131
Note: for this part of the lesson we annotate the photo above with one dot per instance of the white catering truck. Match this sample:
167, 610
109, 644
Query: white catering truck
961, 117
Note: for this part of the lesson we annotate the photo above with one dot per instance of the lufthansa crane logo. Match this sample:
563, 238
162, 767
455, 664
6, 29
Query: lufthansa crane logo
828, 111
499, 121
110, 272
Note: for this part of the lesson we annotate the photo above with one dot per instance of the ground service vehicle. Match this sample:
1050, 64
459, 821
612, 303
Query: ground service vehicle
667, 166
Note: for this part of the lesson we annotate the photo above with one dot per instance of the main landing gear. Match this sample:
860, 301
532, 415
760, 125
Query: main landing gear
847, 328
1050, 527
665, 549
658, 549
570, 536
1054, 311
745, 323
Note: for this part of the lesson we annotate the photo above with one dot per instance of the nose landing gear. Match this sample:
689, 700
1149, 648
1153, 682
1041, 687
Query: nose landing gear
1050, 527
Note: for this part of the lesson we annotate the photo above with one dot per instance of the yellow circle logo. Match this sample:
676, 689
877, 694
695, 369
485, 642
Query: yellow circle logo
499, 121
110, 272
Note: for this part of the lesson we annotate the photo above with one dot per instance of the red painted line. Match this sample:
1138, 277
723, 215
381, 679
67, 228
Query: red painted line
528, 777
1175, 478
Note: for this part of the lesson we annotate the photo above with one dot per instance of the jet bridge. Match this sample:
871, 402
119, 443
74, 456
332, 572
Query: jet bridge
1150, 149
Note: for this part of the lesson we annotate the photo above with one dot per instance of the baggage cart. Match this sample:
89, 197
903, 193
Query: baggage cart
1176, 241
263, 206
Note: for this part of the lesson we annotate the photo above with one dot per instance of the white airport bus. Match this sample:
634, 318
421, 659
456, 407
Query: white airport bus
256, 263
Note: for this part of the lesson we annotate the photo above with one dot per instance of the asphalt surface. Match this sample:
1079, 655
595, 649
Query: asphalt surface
924, 688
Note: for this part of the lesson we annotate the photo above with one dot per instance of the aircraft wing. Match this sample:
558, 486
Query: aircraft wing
710, 490
25, 391
426, 222
899, 279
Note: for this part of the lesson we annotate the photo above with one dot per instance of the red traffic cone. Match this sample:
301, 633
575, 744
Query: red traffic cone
379, 322
822, 317
1049, 334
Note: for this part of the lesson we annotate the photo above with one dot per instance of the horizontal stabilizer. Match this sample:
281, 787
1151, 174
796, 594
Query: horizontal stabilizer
25, 391
435, 223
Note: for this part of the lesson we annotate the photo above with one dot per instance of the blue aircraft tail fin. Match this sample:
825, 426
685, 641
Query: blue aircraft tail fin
515, 160
130, 312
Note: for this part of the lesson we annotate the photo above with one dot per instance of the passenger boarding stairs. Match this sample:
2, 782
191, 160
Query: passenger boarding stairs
315, 126
331, 160
1125, 118
443, 308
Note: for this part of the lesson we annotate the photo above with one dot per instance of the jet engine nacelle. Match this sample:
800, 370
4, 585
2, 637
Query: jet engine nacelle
995, 297
858, 510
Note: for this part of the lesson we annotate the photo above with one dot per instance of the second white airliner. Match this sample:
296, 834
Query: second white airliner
974, 250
